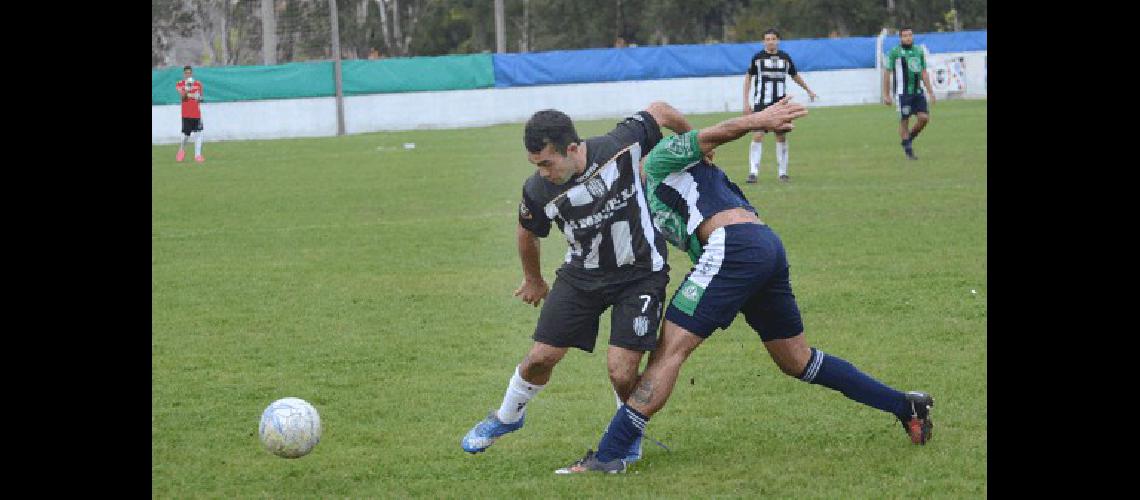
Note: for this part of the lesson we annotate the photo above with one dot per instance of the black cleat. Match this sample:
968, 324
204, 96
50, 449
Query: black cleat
752, 178
910, 154
590, 462
918, 425
784, 179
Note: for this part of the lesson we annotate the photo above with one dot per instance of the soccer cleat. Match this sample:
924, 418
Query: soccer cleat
590, 462
181, 155
752, 178
199, 158
487, 431
784, 179
918, 425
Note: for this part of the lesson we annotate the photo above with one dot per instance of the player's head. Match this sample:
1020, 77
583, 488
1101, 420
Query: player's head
549, 138
187, 72
906, 37
771, 39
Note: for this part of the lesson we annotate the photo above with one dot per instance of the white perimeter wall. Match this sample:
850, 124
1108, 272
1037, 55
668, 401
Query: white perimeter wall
316, 117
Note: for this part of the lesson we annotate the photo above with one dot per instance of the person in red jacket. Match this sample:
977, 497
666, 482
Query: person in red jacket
191, 92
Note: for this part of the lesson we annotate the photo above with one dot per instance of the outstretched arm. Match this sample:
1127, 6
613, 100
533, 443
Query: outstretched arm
777, 117
667, 116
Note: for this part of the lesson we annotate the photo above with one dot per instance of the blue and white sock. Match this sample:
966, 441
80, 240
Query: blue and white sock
627, 425
836, 373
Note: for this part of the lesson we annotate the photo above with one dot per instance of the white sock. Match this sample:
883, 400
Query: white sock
782, 157
519, 392
198, 144
754, 152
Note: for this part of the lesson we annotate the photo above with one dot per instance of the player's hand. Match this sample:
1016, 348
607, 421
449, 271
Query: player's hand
709, 156
747, 110
932, 99
532, 292
887, 99
779, 116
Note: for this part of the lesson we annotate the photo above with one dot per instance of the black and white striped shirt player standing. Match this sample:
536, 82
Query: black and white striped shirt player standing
593, 191
764, 85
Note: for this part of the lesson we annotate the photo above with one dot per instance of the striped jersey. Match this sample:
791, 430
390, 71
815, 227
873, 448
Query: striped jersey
906, 65
602, 212
770, 72
684, 190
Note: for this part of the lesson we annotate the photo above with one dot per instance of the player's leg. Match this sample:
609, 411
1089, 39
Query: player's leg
773, 313
782, 155
755, 148
198, 141
186, 129
905, 111
569, 318
709, 298
653, 390
634, 319
922, 117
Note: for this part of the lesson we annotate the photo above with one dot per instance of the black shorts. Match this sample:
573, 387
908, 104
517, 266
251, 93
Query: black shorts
570, 316
191, 125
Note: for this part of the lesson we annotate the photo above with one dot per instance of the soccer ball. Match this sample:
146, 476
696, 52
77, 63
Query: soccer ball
290, 428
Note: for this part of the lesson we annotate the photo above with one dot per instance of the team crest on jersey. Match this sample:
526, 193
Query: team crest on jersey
913, 63
524, 212
596, 187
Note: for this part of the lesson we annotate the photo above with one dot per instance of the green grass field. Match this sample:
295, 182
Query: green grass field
376, 283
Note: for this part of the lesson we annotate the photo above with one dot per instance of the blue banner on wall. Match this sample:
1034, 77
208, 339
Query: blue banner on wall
686, 61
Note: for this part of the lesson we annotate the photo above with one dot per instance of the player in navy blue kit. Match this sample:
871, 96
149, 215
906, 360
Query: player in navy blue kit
739, 266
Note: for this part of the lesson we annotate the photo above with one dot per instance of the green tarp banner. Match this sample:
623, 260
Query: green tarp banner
414, 74
315, 79
248, 83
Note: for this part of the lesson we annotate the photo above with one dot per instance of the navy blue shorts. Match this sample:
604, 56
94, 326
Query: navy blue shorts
743, 269
910, 105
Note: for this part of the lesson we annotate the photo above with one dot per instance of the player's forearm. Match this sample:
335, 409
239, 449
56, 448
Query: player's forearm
667, 116
727, 131
886, 82
530, 253
802, 84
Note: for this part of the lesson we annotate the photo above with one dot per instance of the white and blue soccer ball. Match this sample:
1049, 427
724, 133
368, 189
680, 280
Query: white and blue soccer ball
290, 428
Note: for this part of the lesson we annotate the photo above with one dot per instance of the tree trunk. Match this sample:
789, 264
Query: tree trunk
385, 32
268, 32
396, 34
225, 20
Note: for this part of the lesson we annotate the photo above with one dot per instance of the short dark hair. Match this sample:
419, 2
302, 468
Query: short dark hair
549, 126
187, 67
906, 28
771, 31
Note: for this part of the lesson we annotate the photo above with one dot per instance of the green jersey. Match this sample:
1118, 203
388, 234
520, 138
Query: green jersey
683, 190
906, 65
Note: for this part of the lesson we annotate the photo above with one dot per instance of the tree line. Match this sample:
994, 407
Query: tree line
251, 32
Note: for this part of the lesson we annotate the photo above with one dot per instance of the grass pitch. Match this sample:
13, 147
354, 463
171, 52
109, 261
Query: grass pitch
375, 282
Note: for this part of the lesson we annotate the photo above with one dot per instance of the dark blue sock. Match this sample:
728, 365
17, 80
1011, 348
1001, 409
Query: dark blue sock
627, 425
836, 373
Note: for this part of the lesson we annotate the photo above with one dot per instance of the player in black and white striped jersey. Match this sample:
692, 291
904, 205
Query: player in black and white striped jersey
770, 68
617, 259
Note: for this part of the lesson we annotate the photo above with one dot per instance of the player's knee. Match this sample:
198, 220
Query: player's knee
792, 367
622, 375
540, 362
